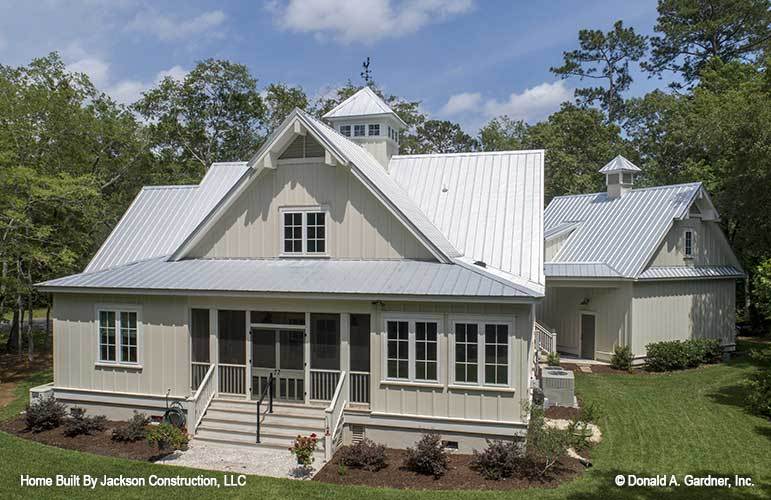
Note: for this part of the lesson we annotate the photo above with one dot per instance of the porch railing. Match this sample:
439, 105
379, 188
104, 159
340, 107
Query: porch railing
197, 373
546, 338
267, 390
323, 384
334, 416
197, 405
359, 387
232, 379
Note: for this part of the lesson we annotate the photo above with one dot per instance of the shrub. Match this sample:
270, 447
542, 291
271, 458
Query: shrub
622, 358
134, 430
553, 359
303, 447
78, 423
498, 461
545, 445
167, 437
46, 413
428, 456
677, 355
578, 429
758, 385
365, 455
708, 350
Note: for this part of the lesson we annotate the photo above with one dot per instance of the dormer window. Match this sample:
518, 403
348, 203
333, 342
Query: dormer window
304, 231
374, 129
359, 130
688, 244
345, 130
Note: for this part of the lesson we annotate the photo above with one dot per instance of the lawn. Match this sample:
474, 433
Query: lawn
683, 423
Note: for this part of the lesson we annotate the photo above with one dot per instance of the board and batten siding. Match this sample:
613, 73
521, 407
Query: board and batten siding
444, 401
683, 309
562, 307
711, 248
552, 246
163, 349
359, 226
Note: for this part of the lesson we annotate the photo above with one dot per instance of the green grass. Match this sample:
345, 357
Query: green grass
39, 313
690, 422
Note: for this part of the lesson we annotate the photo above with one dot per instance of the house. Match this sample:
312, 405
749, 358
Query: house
633, 266
370, 294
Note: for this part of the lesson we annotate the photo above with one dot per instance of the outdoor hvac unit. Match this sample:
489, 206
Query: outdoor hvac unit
558, 387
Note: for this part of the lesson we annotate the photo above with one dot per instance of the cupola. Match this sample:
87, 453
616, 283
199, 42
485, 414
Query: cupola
367, 120
619, 176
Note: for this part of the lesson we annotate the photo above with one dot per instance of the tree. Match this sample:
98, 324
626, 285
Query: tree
502, 134
214, 114
691, 32
604, 57
280, 100
442, 136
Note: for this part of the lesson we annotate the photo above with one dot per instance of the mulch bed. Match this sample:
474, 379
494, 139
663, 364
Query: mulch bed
562, 412
459, 477
99, 443
575, 367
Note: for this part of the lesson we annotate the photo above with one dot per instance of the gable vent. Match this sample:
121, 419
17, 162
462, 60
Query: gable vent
304, 146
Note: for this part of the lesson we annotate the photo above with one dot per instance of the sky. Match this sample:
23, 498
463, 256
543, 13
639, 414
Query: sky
465, 60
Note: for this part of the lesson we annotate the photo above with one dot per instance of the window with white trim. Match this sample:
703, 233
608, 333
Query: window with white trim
482, 353
118, 336
345, 130
304, 231
688, 243
359, 130
412, 350
374, 129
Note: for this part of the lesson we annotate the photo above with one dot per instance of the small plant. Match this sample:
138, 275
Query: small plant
365, 455
553, 359
45, 413
342, 470
498, 461
134, 430
578, 429
621, 358
545, 445
167, 437
428, 456
77, 423
303, 448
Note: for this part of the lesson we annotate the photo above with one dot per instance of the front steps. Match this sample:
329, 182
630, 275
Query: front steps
233, 422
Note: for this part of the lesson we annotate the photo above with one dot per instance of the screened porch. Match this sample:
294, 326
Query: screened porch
306, 353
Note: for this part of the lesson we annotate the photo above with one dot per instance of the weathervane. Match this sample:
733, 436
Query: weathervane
366, 73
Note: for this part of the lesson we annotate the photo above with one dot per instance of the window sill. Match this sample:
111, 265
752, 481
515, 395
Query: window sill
408, 383
124, 366
305, 256
483, 388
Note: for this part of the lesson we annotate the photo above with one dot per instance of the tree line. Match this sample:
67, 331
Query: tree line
72, 159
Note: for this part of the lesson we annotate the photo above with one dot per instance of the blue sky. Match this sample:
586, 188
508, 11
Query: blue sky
466, 60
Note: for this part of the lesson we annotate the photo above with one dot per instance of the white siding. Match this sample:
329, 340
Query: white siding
679, 310
710, 247
554, 245
359, 227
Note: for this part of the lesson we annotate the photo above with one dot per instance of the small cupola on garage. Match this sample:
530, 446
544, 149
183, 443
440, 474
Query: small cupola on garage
619, 176
367, 120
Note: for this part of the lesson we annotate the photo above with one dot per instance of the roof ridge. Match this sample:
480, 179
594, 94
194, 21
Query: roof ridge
172, 186
471, 153
651, 188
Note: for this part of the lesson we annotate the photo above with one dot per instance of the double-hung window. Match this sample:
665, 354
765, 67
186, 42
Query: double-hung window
304, 231
118, 336
359, 130
412, 350
481, 353
374, 129
688, 243
345, 130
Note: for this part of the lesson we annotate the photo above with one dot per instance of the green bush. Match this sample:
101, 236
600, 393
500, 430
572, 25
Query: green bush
498, 461
428, 456
578, 429
553, 359
678, 355
758, 385
77, 423
545, 445
365, 455
167, 437
45, 413
622, 358
134, 430
708, 350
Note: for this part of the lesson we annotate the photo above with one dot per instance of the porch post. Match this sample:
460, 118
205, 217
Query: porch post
345, 342
307, 356
248, 354
214, 347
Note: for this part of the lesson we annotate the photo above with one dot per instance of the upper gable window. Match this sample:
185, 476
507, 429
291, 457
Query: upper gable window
304, 231
359, 130
688, 243
345, 130
374, 129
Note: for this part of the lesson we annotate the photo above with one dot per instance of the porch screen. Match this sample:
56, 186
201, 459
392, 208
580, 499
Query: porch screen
232, 337
325, 341
360, 342
199, 333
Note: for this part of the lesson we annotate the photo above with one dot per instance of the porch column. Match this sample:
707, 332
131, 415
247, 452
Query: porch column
248, 354
307, 356
345, 342
214, 351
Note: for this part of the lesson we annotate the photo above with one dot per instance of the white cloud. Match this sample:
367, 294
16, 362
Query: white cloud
364, 20
177, 73
167, 28
96, 69
531, 105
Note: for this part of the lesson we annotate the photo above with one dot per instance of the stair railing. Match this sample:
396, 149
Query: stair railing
268, 389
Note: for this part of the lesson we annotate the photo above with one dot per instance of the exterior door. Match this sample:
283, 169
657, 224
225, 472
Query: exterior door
588, 323
282, 353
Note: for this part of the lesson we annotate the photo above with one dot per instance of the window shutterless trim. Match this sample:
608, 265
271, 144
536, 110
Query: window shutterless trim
117, 309
481, 321
304, 211
411, 320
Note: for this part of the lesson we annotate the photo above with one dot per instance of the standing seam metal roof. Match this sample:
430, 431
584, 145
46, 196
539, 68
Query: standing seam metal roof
364, 102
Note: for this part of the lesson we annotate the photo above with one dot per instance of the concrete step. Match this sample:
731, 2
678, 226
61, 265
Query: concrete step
282, 409
279, 432
266, 439
267, 418
318, 454
298, 426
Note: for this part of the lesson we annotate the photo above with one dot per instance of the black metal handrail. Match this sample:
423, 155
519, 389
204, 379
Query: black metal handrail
269, 389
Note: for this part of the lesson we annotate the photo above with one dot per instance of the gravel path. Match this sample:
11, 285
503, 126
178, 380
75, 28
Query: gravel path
240, 460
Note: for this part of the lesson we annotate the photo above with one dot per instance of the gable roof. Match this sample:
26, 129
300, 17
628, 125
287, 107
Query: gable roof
622, 233
488, 205
160, 217
619, 164
363, 102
